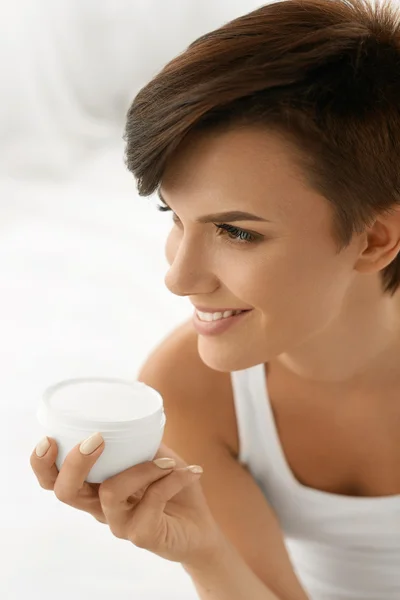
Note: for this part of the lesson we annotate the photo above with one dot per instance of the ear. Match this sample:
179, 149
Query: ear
382, 243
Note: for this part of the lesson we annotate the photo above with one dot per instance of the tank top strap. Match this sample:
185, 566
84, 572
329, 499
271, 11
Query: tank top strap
243, 410
255, 421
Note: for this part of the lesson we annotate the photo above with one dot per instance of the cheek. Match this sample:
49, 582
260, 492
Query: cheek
299, 281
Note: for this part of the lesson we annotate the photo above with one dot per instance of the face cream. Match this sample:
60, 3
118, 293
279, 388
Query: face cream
128, 414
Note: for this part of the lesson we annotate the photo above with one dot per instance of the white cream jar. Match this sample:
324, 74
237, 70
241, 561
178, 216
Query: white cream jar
128, 414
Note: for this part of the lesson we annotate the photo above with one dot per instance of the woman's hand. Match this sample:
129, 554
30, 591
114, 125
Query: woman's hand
161, 510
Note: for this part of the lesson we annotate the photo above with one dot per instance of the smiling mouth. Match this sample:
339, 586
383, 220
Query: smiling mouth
227, 314
217, 326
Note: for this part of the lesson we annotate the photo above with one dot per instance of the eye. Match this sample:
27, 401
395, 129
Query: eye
237, 233
163, 208
239, 236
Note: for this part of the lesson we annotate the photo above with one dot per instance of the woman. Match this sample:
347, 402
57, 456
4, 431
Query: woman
291, 115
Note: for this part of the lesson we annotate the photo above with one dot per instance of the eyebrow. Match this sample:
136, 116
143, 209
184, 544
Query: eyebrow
233, 215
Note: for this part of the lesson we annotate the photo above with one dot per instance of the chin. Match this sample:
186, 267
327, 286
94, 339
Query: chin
225, 360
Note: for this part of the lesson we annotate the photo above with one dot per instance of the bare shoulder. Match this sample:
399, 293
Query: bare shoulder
203, 394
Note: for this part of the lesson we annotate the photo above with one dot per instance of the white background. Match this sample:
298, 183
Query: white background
82, 264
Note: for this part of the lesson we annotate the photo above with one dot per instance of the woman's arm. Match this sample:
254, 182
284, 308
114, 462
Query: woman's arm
226, 576
198, 406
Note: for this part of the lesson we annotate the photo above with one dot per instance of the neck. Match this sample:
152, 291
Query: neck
359, 344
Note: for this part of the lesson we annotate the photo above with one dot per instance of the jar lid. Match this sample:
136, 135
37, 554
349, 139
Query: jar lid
102, 403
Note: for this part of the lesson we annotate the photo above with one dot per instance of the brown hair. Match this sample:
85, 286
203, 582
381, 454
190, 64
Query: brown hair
325, 73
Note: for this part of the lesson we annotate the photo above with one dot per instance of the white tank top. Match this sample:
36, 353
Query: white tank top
341, 547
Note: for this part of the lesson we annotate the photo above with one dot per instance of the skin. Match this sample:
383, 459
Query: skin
318, 313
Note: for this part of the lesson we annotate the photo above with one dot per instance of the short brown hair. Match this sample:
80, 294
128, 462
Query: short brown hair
325, 73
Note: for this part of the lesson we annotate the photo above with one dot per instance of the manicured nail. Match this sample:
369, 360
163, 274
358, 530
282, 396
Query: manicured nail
195, 469
165, 463
42, 447
91, 443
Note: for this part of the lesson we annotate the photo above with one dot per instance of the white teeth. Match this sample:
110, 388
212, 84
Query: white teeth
216, 316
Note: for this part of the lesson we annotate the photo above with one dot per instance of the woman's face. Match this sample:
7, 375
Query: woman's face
290, 273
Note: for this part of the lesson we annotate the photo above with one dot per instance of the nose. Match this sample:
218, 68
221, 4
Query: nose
189, 273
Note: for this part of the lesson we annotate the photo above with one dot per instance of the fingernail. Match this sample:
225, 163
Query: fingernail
195, 469
165, 463
42, 447
91, 443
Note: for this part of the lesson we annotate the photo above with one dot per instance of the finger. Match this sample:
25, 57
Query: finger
164, 450
114, 493
71, 486
44, 466
120, 495
161, 492
147, 526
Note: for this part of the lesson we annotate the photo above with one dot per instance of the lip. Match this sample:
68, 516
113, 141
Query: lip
206, 309
217, 327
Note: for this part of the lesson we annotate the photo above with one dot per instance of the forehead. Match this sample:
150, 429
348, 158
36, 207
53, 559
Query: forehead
242, 167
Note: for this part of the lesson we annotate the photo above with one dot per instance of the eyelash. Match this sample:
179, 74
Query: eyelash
224, 228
